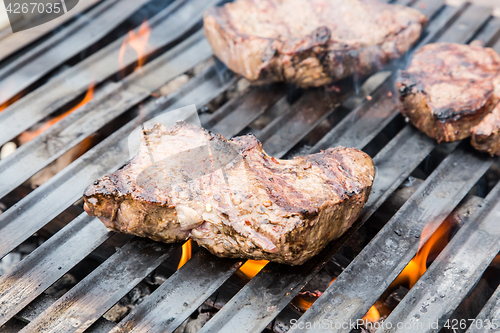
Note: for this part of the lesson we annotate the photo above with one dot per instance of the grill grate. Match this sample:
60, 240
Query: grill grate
358, 122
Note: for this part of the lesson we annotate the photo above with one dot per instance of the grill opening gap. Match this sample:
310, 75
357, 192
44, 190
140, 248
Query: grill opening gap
385, 136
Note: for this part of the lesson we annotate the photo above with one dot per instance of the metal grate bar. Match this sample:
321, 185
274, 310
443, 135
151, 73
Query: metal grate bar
441, 23
80, 307
188, 266
178, 297
77, 37
112, 102
379, 263
428, 8
305, 115
292, 279
454, 272
48, 263
50, 199
303, 118
363, 123
492, 29
73, 82
470, 21
490, 311
496, 47
14, 42
236, 114
394, 164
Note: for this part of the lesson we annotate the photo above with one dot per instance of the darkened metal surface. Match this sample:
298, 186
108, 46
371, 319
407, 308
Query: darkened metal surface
178, 297
83, 33
235, 115
271, 290
112, 102
490, 311
80, 307
48, 263
380, 262
454, 272
168, 26
363, 123
263, 295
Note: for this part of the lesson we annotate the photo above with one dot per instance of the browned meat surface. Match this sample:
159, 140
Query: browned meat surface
309, 42
486, 135
449, 88
249, 205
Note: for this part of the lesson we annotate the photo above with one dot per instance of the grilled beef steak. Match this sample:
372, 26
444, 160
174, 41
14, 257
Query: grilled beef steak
486, 135
449, 88
309, 42
249, 205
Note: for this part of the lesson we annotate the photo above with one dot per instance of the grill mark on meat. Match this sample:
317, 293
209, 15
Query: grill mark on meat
284, 211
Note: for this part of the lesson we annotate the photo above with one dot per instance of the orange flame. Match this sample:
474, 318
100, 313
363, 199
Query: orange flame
251, 267
186, 253
302, 303
418, 265
137, 41
372, 315
30, 135
496, 260
10, 102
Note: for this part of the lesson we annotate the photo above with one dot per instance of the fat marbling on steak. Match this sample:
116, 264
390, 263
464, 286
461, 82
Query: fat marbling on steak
248, 205
449, 88
309, 42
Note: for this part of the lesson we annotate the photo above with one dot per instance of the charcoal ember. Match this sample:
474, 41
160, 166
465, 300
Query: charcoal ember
156, 279
193, 325
128, 303
319, 283
61, 286
174, 85
396, 297
117, 312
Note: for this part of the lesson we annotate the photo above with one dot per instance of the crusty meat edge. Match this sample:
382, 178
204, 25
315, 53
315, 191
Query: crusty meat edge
420, 114
486, 135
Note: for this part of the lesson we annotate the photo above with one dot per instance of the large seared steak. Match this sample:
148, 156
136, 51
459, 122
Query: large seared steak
449, 88
309, 42
231, 197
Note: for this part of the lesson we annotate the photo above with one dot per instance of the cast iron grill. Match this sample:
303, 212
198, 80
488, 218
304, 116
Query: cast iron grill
179, 44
